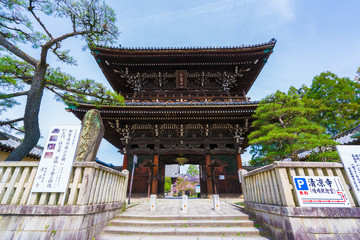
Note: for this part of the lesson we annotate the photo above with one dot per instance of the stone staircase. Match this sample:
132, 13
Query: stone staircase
181, 226
197, 227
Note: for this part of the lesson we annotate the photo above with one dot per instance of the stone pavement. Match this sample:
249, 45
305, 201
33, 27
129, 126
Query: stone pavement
201, 222
172, 207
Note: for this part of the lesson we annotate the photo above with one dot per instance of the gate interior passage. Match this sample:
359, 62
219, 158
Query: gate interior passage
185, 102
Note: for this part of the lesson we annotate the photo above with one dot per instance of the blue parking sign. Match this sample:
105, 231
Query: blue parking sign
301, 184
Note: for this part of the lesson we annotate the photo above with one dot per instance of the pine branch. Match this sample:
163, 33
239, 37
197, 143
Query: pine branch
65, 36
12, 95
73, 91
9, 46
16, 29
11, 121
17, 129
31, 9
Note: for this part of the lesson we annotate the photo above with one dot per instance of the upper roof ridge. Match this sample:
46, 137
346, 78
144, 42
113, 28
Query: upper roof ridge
243, 46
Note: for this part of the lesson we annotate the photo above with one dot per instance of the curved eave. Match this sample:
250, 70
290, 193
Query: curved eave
168, 112
170, 50
162, 106
155, 59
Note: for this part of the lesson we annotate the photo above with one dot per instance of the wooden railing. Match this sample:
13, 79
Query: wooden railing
90, 183
273, 184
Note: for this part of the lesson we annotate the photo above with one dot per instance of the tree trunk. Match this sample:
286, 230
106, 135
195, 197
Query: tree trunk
31, 116
294, 156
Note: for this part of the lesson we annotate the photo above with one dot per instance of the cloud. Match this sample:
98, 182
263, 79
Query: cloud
283, 7
279, 8
199, 10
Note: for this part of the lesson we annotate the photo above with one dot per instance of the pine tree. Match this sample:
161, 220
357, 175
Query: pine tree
283, 128
24, 24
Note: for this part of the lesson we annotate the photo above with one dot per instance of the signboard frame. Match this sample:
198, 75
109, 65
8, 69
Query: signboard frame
350, 157
320, 191
55, 166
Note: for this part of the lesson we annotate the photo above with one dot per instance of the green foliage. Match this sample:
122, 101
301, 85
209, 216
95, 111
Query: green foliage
92, 21
338, 101
26, 23
167, 184
193, 170
15, 75
283, 128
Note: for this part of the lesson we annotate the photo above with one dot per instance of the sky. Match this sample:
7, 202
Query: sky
312, 37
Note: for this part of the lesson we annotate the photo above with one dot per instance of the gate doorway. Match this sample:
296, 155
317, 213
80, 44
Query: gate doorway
182, 180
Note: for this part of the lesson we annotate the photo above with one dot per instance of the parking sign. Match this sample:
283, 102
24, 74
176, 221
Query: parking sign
316, 191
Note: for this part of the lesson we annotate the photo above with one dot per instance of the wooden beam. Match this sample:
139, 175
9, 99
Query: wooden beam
182, 151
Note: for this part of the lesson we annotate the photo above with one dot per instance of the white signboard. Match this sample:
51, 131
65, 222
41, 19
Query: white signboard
222, 177
350, 157
316, 191
197, 188
57, 158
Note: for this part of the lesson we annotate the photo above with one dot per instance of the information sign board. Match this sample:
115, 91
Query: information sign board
316, 191
57, 158
221, 177
350, 157
197, 188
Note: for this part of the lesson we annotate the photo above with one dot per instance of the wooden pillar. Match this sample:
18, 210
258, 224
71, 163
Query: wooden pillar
208, 175
125, 162
161, 184
154, 185
202, 172
238, 161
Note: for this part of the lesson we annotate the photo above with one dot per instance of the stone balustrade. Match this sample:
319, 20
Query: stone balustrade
273, 184
95, 194
270, 198
90, 183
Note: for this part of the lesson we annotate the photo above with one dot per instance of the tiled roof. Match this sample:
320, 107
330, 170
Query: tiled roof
13, 142
243, 46
172, 170
343, 138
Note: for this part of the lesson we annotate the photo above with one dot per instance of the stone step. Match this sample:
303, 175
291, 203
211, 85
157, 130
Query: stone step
176, 237
182, 231
182, 223
183, 217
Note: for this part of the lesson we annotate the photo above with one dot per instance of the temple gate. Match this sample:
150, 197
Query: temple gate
181, 103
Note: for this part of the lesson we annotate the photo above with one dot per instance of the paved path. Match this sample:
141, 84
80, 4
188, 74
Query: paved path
172, 207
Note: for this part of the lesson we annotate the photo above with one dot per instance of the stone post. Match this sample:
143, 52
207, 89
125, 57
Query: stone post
153, 202
92, 132
243, 184
184, 206
216, 202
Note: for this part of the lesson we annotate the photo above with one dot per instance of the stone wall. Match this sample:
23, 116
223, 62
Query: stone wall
307, 223
55, 222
